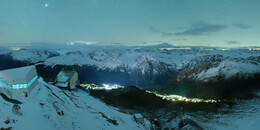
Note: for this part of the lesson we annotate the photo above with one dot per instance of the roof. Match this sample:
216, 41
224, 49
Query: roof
65, 76
138, 115
17, 73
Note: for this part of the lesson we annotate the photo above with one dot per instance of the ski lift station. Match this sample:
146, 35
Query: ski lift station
67, 79
18, 82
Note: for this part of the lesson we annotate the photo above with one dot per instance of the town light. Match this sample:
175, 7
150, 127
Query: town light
178, 98
101, 87
107, 87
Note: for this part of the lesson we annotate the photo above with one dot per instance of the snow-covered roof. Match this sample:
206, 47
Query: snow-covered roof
138, 115
64, 76
17, 73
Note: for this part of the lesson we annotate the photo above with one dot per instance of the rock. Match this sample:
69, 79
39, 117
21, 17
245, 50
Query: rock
7, 121
188, 124
9, 128
16, 108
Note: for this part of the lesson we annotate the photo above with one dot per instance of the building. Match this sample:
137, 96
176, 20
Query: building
139, 118
18, 82
67, 79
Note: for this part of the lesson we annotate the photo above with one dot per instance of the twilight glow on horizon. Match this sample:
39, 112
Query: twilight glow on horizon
225, 23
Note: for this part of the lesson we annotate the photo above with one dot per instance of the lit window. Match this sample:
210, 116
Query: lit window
19, 86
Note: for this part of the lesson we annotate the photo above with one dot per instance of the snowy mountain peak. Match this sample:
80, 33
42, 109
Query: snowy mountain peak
148, 64
32, 55
223, 69
98, 55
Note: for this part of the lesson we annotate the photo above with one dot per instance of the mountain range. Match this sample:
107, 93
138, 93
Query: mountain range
146, 66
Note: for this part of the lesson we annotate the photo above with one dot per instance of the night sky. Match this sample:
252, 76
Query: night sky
226, 23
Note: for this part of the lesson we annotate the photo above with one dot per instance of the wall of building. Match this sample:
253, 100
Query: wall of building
32, 73
18, 93
74, 79
30, 88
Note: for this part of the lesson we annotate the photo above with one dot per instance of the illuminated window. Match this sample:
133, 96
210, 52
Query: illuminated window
19, 86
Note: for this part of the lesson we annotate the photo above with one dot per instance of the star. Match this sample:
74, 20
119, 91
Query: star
46, 5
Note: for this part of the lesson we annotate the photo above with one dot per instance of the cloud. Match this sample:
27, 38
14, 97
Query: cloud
167, 33
117, 43
194, 29
80, 42
242, 26
163, 33
158, 41
181, 39
202, 29
161, 45
233, 42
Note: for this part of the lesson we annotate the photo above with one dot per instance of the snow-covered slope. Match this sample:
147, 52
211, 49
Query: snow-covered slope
244, 115
222, 68
49, 107
32, 55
